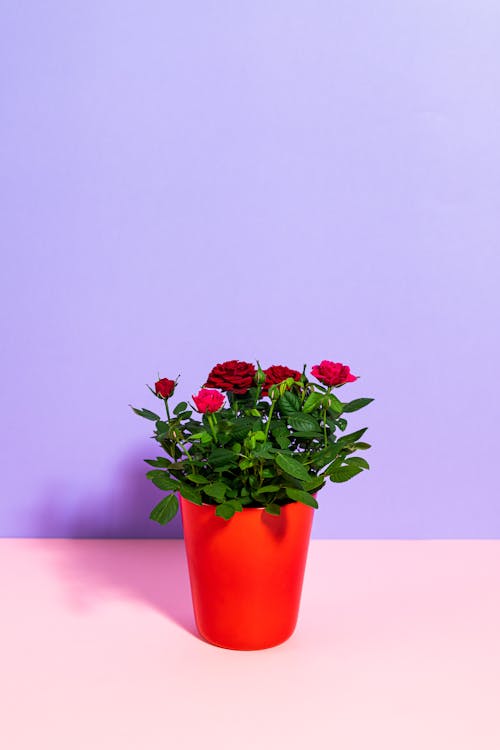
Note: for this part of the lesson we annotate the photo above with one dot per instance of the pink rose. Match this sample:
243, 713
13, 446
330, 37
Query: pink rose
333, 373
208, 400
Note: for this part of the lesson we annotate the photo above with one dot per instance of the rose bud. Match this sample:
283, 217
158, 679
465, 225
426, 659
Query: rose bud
164, 388
260, 375
333, 373
208, 401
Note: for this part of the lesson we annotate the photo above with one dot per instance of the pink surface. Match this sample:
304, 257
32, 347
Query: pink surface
397, 646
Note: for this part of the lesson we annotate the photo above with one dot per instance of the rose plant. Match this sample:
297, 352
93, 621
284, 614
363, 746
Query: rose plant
255, 438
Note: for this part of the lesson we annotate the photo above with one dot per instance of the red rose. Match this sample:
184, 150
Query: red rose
164, 387
233, 376
277, 374
333, 373
208, 400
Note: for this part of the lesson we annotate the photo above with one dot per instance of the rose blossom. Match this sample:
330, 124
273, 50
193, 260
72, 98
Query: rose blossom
277, 374
233, 376
164, 387
208, 400
333, 373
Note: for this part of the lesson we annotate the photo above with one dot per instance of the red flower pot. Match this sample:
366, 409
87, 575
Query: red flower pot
246, 573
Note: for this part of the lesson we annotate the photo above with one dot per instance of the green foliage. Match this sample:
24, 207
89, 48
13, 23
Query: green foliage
190, 494
343, 473
255, 452
288, 403
312, 402
300, 496
165, 510
291, 466
146, 414
162, 480
181, 406
273, 509
216, 490
358, 403
225, 510
303, 422
165, 462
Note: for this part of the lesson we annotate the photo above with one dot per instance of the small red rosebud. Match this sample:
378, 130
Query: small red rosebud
164, 388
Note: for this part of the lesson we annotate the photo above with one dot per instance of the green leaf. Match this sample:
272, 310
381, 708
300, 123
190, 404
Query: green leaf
326, 455
333, 403
273, 509
343, 473
341, 423
362, 446
263, 451
196, 479
162, 480
307, 434
352, 437
225, 510
268, 488
311, 402
189, 493
165, 510
216, 489
292, 466
162, 428
259, 436
202, 435
146, 414
358, 403
314, 484
301, 497
182, 465
288, 403
246, 463
303, 422
281, 435
180, 407
221, 456
242, 426
237, 505
357, 461
158, 462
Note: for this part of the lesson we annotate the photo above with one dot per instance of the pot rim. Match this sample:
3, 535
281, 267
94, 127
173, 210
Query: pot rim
245, 507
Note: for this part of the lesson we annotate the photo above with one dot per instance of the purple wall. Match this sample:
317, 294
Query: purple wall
184, 183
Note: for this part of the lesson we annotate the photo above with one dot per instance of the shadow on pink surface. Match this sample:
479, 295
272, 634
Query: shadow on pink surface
151, 572
127, 564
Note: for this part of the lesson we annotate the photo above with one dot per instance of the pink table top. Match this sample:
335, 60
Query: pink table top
397, 646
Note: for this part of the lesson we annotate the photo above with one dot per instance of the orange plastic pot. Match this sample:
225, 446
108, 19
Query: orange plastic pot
246, 573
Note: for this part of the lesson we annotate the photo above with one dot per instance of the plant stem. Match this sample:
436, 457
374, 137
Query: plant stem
268, 424
180, 443
212, 426
324, 417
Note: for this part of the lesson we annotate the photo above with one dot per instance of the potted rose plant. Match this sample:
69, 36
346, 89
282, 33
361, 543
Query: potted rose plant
246, 462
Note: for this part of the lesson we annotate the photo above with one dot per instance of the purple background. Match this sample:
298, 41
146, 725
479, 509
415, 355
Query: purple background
184, 183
